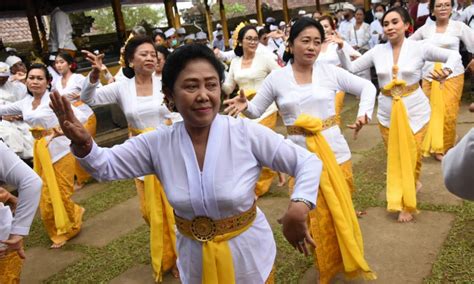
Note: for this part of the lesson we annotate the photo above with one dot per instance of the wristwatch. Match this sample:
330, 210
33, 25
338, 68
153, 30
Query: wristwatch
306, 202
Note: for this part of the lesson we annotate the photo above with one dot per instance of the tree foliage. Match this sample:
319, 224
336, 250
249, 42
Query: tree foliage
231, 10
104, 21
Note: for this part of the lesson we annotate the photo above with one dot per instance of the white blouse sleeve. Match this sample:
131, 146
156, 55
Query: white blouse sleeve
104, 95
128, 160
229, 83
263, 99
438, 54
358, 86
418, 34
350, 50
362, 63
467, 37
12, 109
15, 172
282, 155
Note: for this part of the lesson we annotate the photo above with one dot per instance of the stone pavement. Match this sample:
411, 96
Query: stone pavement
399, 253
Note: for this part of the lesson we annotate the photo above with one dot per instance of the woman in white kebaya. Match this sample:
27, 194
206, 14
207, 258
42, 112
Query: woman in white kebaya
208, 165
403, 109
448, 34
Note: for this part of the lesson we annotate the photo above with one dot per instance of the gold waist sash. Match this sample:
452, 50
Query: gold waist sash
400, 90
297, 130
39, 133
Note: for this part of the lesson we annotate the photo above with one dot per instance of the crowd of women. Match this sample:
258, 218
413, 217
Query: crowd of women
198, 172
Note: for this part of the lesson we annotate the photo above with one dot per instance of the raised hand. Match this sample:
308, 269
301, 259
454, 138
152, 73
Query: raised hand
236, 105
358, 124
96, 61
295, 228
70, 125
336, 38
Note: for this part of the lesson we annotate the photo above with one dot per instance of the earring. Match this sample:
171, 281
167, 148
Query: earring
130, 65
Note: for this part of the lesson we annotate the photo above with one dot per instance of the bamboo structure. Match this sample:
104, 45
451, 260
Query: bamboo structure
119, 21
225, 28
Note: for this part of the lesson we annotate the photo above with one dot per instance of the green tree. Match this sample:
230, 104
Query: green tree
231, 10
104, 21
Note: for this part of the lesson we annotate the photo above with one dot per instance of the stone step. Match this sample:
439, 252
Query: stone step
398, 253
120, 220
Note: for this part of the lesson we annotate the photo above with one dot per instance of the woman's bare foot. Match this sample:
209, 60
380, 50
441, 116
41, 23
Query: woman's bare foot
418, 186
175, 272
471, 107
58, 245
405, 217
439, 157
281, 179
360, 213
78, 186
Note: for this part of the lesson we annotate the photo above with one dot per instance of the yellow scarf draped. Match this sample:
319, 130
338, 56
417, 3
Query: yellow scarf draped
156, 204
402, 153
337, 195
433, 142
44, 167
217, 264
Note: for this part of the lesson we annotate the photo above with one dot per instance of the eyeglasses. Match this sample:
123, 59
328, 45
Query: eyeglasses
444, 5
251, 39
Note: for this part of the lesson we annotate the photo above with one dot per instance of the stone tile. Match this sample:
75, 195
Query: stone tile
142, 274
368, 137
101, 229
399, 253
42, 263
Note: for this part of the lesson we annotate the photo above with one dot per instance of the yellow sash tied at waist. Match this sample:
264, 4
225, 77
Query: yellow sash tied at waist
157, 206
434, 142
338, 197
217, 264
43, 166
401, 151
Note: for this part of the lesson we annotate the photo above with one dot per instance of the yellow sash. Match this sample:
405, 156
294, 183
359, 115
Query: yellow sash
44, 167
433, 142
156, 204
217, 264
402, 152
338, 197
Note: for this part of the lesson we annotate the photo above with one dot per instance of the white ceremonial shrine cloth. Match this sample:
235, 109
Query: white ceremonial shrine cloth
44, 117
237, 150
450, 39
15, 172
413, 56
251, 78
73, 87
140, 111
316, 99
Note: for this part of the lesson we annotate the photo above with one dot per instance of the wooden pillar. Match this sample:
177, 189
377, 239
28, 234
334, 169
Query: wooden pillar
119, 22
318, 6
42, 30
169, 13
286, 15
177, 20
258, 4
366, 5
30, 13
209, 21
225, 28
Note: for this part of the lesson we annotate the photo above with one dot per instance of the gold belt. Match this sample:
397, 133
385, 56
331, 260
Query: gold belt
78, 103
296, 130
400, 91
39, 133
203, 228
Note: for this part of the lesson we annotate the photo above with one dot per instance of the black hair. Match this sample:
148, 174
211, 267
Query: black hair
360, 8
379, 5
43, 67
392, 2
138, 31
130, 48
401, 11
69, 59
163, 50
297, 28
431, 6
160, 34
179, 59
240, 37
262, 32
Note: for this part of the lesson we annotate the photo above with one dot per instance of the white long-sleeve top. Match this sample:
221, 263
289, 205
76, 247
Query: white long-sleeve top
457, 167
237, 149
455, 33
251, 78
140, 111
345, 26
15, 172
413, 56
12, 91
73, 87
316, 99
60, 35
361, 37
44, 117
329, 56
376, 31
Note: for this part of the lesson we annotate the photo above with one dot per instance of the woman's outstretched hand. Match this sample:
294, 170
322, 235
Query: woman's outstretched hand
70, 125
295, 228
358, 124
236, 105
96, 62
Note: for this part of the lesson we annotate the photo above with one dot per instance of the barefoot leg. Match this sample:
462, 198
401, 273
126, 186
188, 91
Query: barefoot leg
281, 179
405, 217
